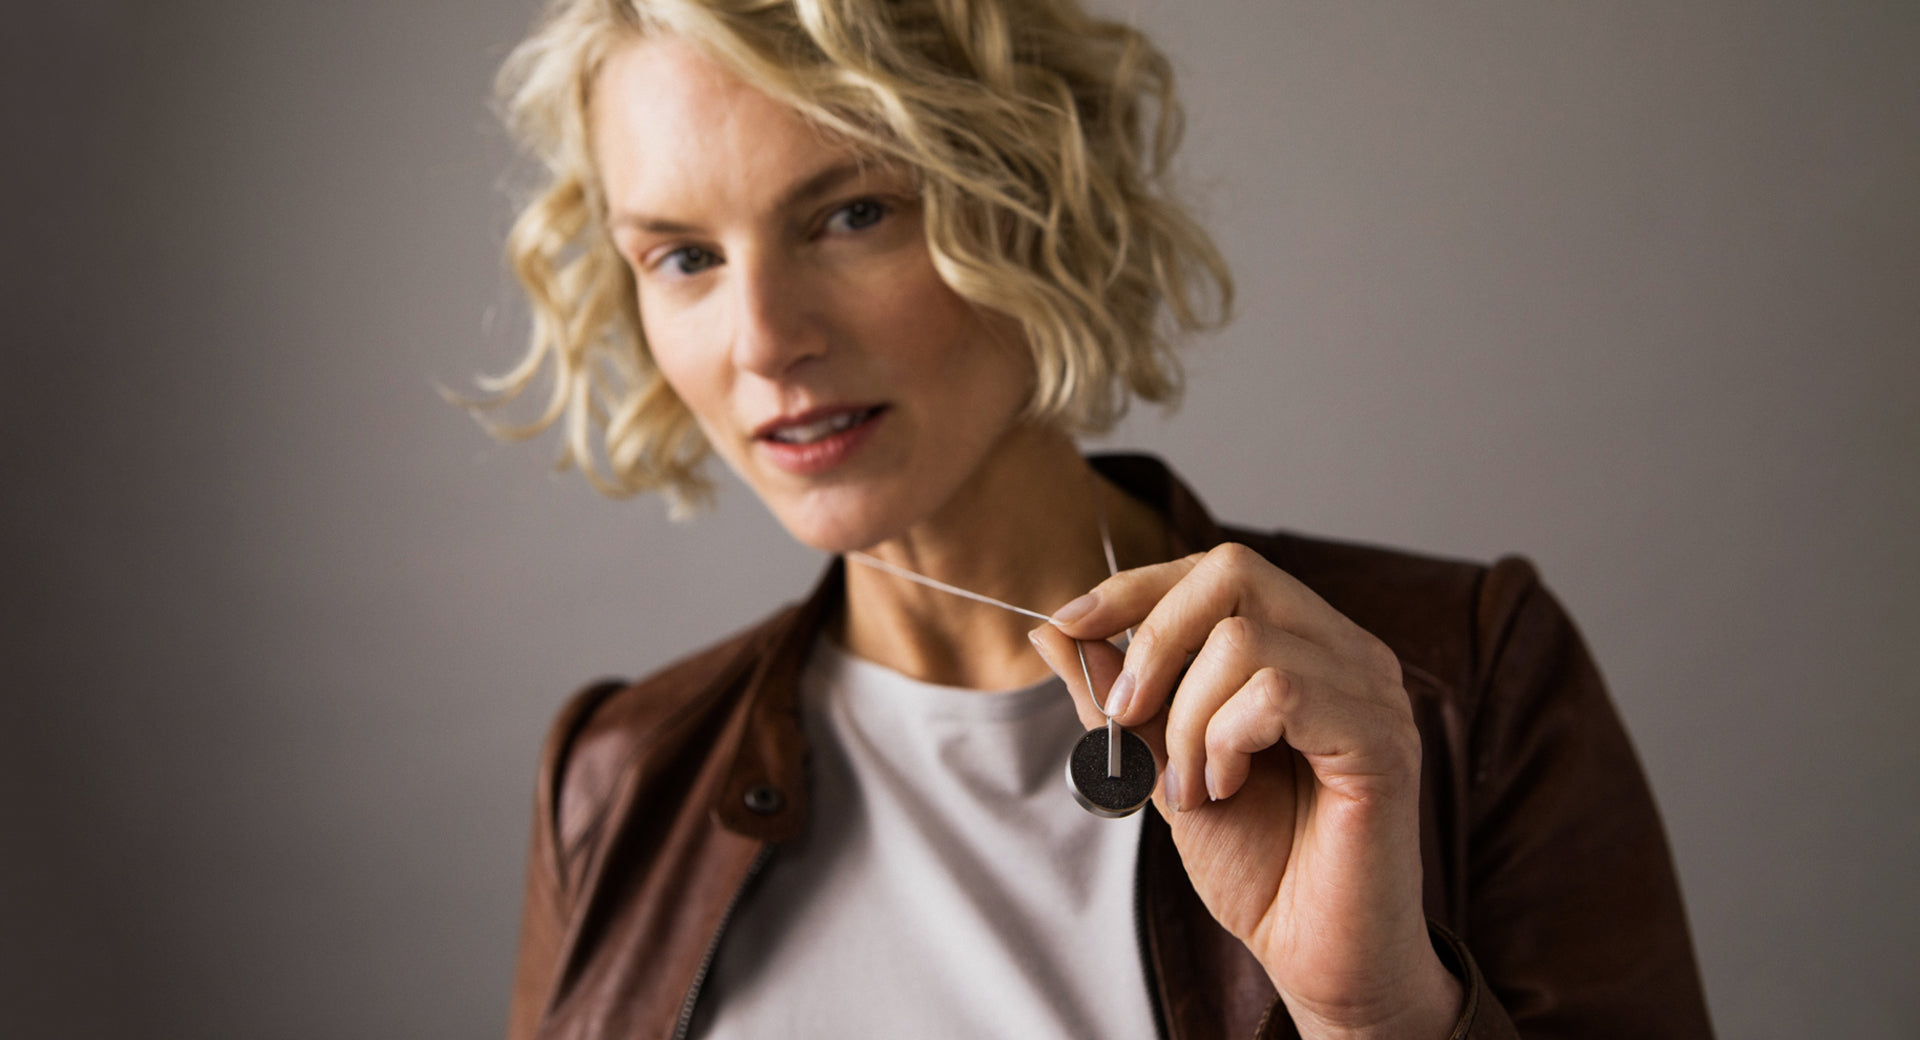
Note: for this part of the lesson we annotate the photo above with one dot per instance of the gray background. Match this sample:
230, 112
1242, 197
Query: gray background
1628, 287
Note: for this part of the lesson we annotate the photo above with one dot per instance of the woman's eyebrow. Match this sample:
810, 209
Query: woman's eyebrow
819, 183
651, 225
823, 182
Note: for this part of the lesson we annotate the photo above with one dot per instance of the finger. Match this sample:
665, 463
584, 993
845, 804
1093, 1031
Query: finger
1237, 650
1103, 661
1349, 736
1125, 599
1122, 601
1230, 580
1250, 721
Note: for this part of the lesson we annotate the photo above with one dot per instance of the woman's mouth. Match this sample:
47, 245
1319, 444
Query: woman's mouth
820, 429
819, 440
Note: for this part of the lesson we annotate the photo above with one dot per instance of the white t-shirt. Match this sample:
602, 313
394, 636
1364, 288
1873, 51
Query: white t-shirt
947, 884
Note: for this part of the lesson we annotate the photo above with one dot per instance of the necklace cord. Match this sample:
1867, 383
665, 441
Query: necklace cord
1113, 568
933, 583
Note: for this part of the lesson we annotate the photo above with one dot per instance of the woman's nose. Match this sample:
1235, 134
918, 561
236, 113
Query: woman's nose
779, 319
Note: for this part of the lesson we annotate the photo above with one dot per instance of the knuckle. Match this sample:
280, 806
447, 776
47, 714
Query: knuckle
1233, 556
1220, 742
1406, 749
1277, 688
1144, 644
1238, 635
1381, 662
1186, 737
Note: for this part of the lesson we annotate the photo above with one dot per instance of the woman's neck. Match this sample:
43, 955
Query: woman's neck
1024, 530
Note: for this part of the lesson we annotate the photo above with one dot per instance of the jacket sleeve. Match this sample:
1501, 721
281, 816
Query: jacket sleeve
545, 914
1573, 925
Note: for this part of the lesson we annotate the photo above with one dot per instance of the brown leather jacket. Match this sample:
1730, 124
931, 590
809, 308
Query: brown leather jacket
658, 801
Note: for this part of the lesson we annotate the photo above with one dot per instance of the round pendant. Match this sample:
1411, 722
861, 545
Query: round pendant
1111, 796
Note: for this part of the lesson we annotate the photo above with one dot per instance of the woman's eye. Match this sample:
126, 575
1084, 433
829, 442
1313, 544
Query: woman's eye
860, 213
689, 260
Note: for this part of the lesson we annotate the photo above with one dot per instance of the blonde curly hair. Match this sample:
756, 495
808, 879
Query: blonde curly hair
1042, 137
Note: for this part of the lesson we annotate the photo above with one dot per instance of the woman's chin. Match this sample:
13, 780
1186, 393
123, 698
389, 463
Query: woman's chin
840, 524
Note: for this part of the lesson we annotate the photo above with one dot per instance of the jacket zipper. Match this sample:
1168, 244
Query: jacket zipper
713, 948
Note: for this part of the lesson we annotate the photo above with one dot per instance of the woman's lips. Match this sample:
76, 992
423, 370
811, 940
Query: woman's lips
818, 440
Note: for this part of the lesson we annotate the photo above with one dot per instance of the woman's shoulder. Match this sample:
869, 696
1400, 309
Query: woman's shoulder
604, 730
1447, 619
618, 706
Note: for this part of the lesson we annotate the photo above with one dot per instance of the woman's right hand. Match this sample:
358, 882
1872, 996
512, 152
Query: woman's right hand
1290, 777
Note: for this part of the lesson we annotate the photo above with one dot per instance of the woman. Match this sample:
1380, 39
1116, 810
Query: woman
886, 260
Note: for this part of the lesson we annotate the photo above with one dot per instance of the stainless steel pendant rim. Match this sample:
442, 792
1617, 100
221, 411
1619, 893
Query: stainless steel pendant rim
1138, 781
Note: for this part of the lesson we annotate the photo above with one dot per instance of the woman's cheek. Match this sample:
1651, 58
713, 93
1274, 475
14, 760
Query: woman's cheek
679, 355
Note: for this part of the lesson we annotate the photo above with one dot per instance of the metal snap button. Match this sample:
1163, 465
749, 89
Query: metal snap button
764, 799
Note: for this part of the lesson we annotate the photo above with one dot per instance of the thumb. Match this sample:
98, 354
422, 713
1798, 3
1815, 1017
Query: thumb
1103, 663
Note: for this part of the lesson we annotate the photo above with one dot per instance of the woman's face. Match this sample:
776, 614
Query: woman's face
789, 299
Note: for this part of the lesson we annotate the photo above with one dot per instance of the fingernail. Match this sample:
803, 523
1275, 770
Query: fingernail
1075, 610
1170, 787
1120, 695
1213, 793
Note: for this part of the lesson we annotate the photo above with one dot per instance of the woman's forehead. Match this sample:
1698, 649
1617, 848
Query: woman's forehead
670, 122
